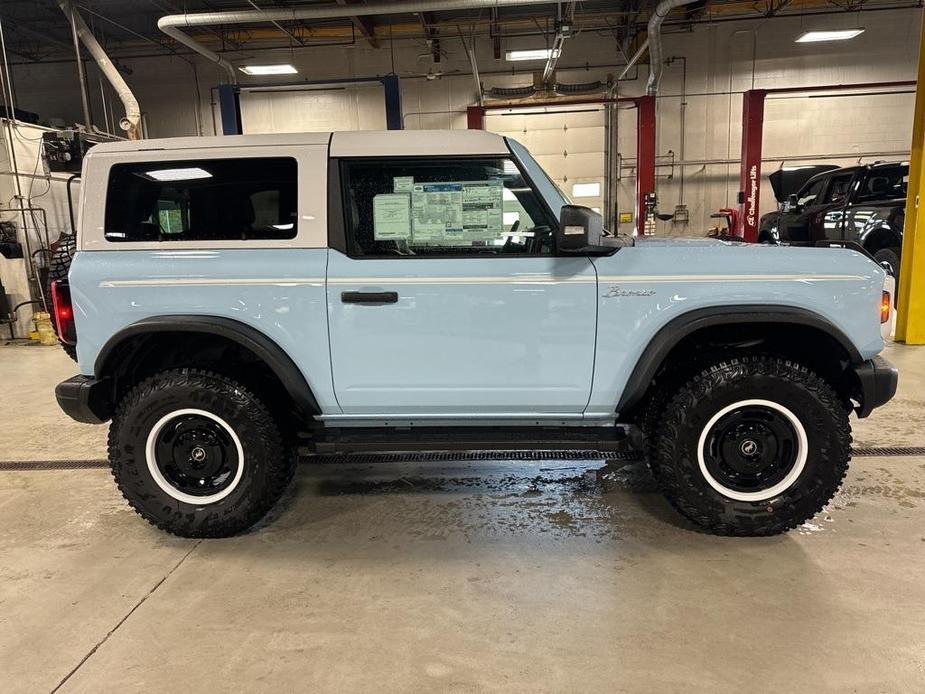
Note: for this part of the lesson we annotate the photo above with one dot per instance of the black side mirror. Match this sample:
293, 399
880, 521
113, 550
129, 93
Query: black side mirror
793, 203
579, 228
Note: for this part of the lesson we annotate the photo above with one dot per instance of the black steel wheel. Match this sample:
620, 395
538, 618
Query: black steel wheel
752, 445
197, 454
752, 449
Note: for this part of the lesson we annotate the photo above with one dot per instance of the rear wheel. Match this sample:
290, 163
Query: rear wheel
198, 455
751, 445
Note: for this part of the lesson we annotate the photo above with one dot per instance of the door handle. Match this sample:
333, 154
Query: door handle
376, 298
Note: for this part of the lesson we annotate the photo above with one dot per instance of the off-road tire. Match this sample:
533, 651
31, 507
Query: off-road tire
58, 268
675, 438
660, 393
268, 459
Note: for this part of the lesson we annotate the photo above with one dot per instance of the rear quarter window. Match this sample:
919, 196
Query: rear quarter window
238, 199
885, 183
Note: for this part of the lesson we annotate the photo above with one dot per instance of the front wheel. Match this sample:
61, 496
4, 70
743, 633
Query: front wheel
751, 446
198, 455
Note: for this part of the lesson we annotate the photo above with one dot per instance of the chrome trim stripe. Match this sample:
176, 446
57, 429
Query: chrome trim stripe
728, 278
216, 281
586, 279
506, 279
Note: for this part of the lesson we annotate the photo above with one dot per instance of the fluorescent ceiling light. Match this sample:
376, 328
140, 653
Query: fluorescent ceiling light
268, 70
834, 35
534, 54
187, 174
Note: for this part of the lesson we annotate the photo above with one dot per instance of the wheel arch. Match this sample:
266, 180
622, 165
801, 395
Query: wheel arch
879, 237
127, 343
740, 323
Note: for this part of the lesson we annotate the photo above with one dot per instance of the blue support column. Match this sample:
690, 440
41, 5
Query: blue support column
392, 90
230, 109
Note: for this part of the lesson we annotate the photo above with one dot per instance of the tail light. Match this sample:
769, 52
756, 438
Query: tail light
886, 306
64, 312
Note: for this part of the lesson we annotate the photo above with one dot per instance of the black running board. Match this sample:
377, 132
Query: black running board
375, 440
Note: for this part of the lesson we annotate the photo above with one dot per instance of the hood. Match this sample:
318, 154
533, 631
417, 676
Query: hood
790, 179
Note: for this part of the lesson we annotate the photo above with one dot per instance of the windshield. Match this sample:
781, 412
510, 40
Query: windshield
554, 197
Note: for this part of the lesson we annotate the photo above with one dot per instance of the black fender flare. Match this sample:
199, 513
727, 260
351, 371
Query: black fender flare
246, 336
679, 327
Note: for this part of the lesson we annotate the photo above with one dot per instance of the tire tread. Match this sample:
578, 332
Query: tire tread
663, 442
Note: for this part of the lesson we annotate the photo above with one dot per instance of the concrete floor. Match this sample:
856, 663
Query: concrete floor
463, 577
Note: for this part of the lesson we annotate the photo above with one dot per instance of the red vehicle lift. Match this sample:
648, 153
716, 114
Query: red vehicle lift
752, 133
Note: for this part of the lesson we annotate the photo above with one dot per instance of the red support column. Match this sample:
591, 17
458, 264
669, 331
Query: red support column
750, 183
645, 157
475, 117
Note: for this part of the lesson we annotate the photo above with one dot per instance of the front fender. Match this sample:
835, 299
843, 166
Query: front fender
671, 334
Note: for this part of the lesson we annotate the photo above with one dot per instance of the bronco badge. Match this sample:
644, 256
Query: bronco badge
617, 290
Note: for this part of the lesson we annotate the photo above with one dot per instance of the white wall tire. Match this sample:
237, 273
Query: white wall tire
799, 421
155, 429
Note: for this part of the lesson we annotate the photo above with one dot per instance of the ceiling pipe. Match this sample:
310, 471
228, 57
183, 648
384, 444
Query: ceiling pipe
635, 59
656, 59
558, 43
173, 24
131, 122
81, 75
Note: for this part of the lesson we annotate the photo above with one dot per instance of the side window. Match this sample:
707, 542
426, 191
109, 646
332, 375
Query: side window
811, 192
839, 189
885, 183
202, 200
442, 207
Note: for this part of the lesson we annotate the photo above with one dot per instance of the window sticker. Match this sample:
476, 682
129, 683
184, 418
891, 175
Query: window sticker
402, 184
391, 216
457, 212
483, 217
436, 212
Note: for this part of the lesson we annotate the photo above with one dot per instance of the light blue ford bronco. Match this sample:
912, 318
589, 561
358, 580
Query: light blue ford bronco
233, 298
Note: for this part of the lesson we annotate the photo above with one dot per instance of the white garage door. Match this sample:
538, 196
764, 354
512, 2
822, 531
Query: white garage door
568, 143
355, 107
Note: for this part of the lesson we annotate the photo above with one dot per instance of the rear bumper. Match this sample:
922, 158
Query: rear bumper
85, 399
878, 379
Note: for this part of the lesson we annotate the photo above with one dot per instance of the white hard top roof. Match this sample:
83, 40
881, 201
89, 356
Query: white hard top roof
343, 144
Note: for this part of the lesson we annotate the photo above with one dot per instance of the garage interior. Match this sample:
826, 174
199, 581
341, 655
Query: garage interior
466, 571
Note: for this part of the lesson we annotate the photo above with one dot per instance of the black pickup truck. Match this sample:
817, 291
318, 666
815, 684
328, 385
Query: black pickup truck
863, 204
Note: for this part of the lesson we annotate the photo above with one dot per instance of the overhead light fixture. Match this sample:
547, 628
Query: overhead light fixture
186, 174
268, 69
834, 35
534, 54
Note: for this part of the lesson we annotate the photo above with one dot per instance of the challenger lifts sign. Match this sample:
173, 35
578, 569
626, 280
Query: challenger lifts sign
751, 199
750, 180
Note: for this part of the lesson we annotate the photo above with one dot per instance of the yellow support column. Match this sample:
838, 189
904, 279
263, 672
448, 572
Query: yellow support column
910, 314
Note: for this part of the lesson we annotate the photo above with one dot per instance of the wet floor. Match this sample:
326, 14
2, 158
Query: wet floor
473, 576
